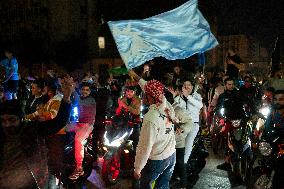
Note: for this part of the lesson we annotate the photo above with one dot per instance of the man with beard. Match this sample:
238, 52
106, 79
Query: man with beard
82, 128
23, 158
229, 105
276, 120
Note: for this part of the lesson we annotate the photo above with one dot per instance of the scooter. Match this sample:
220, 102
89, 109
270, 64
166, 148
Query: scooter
197, 159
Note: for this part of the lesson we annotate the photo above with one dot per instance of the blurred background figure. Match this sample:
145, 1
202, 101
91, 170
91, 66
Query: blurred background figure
11, 81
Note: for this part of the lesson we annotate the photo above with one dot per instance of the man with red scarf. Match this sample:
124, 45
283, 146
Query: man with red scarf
155, 155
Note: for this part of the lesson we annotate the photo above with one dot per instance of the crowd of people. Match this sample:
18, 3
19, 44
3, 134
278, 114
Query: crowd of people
177, 104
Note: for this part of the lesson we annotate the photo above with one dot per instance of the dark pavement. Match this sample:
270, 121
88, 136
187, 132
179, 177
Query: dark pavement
209, 178
212, 178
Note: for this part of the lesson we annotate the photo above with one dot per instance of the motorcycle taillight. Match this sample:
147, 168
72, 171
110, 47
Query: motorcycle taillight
222, 121
107, 122
281, 149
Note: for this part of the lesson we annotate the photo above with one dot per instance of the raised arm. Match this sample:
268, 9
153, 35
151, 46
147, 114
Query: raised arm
53, 126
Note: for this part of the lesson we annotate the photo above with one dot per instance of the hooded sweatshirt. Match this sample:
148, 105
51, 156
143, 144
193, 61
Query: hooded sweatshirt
157, 138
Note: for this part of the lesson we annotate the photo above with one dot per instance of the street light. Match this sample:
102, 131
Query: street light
101, 42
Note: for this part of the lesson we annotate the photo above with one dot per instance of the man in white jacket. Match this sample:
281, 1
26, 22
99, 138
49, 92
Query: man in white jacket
155, 155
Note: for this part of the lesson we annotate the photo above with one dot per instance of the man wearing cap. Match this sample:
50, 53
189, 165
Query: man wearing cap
155, 155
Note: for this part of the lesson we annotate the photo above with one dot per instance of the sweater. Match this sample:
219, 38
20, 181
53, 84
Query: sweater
157, 139
87, 110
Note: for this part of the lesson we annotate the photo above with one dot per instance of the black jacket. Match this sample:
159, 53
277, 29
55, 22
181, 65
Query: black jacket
232, 104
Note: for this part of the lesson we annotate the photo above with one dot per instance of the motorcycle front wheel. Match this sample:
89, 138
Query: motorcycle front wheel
111, 169
245, 169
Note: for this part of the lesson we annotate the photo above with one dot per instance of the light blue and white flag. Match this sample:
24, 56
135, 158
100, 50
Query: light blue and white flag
176, 34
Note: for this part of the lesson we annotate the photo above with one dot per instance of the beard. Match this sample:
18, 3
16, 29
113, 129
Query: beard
278, 106
11, 131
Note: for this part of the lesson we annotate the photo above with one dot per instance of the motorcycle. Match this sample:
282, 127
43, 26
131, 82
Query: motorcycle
259, 120
217, 139
197, 159
60, 179
117, 149
269, 172
238, 131
239, 142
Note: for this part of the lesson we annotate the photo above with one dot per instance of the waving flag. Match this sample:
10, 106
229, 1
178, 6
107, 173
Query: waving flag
176, 34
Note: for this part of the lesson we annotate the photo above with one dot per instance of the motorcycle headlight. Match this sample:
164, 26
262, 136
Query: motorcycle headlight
265, 148
222, 111
236, 123
74, 117
265, 111
115, 143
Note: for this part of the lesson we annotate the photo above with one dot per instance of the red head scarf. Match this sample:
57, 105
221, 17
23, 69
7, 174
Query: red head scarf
154, 88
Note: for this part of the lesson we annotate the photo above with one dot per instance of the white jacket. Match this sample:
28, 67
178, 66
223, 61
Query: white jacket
192, 106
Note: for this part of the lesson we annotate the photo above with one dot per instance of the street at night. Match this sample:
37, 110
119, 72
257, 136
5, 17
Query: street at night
141, 94
209, 178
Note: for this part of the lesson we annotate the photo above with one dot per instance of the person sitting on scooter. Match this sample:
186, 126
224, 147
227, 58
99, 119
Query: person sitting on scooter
82, 128
130, 103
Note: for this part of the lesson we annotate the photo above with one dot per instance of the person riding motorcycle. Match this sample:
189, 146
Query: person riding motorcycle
130, 103
229, 106
82, 128
276, 121
250, 94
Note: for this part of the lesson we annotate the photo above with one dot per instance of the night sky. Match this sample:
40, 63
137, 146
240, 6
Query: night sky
261, 19
256, 18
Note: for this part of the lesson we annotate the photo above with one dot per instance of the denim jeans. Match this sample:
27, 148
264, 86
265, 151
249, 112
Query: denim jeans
158, 171
189, 141
180, 167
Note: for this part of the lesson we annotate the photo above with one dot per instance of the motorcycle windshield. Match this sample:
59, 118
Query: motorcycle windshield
114, 133
231, 107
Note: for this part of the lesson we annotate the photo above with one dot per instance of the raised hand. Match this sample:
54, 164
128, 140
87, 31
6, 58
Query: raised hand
68, 87
134, 75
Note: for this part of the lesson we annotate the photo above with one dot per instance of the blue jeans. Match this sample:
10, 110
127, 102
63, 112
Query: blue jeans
158, 171
189, 141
